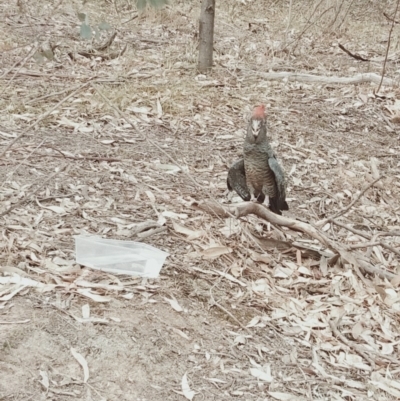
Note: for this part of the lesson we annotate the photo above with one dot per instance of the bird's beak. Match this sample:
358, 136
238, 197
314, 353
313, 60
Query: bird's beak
255, 128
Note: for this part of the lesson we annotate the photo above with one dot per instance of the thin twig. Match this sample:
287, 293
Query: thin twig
28, 197
388, 45
38, 99
22, 162
368, 236
42, 117
356, 56
289, 20
345, 16
364, 245
27, 57
96, 158
353, 230
355, 347
390, 18
389, 247
349, 206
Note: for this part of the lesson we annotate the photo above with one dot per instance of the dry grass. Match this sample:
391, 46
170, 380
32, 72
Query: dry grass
251, 321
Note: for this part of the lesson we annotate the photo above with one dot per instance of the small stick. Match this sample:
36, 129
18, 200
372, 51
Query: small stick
368, 236
27, 198
215, 303
15, 64
353, 230
390, 18
363, 245
42, 117
107, 159
350, 205
22, 162
344, 340
388, 46
389, 247
356, 56
68, 89
108, 43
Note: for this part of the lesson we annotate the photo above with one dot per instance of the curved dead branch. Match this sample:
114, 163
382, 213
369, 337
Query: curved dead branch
356, 259
356, 79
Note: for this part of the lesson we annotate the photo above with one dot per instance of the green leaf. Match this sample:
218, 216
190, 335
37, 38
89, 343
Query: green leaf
86, 31
104, 26
38, 57
158, 3
140, 4
48, 54
82, 17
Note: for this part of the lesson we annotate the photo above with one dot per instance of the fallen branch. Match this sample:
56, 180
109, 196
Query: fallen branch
356, 259
357, 79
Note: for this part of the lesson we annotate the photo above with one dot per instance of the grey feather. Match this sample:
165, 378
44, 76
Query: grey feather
237, 181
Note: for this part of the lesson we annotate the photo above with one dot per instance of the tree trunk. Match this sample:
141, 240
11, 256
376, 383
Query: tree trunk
206, 35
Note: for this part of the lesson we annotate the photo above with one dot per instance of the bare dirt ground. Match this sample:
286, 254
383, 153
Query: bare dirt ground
101, 143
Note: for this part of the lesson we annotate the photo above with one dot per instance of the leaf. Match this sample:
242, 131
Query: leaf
186, 231
104, 26
86, 31
159, 109
284, 396
38, 57
254, 321
86, 311
215, 252
261, 374
82, 361
189, 394
11, 295
56, 209
181, 333
173, 215
168, 168
151, 196
95, 297
139, 110
140, 4
158, 3
45, 379
357, 330
82, 17
48, 53
175, 305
